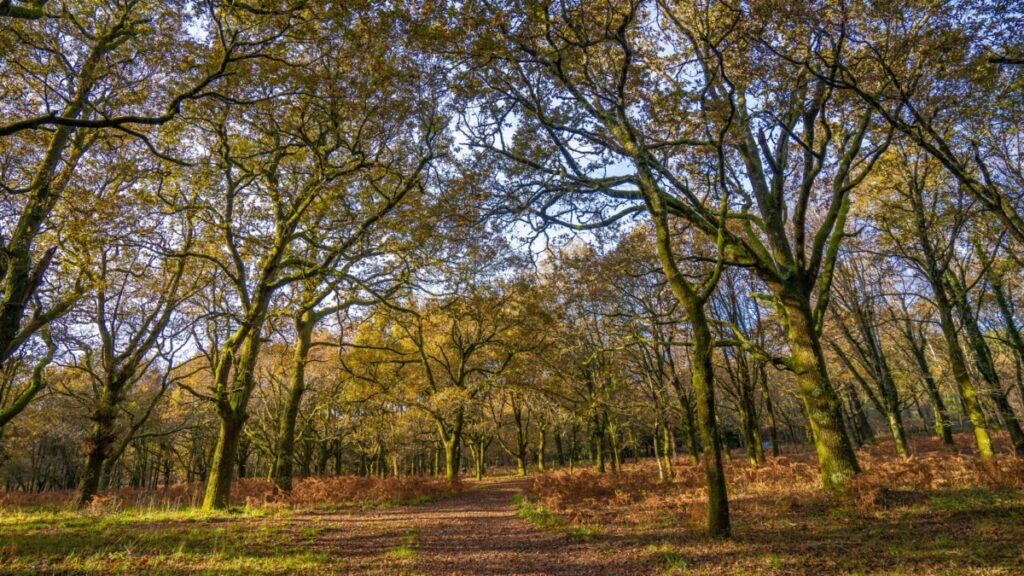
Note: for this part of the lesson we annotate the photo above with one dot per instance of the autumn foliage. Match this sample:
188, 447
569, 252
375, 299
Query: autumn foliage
782, 484
308, 493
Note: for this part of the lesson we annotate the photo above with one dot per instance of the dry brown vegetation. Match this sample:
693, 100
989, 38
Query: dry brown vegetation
937, 512
307, 493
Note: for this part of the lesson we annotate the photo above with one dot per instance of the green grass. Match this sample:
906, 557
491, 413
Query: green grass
249, 541
584, 532
541, 517
670, 561
536, 514
406, 552
962, 500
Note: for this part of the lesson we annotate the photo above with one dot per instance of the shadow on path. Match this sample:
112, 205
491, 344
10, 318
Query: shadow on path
475, 533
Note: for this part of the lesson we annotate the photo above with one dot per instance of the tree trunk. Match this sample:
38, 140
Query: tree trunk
559, 449
751, 431
285, 449
613, 435
521, 445
703, 387
689, 426
597, 443
218, 485
542, 436
983, 360
451, 438
481, 463
958, 365
666, 449
891, 401
103, 436
836, 458
769, 407
655, 439
1011, 329
943, 426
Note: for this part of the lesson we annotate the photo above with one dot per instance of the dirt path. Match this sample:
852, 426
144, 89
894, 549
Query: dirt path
475, 533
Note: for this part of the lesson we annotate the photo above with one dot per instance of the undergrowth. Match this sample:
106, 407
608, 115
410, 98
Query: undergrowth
940, 511
543, 518
324, 492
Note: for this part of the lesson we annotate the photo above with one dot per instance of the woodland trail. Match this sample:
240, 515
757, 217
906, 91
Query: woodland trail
474, 533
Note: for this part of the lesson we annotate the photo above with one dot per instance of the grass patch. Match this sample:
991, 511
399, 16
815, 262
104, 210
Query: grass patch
584, 532
962, 500
669, 561
543, 518
536, 514
158, 542
405, 553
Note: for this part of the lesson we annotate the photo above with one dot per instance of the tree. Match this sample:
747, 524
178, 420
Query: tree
136, 296
332, 143
944, 75
77, 75
570, 77
860, 285
440, 354
923, 204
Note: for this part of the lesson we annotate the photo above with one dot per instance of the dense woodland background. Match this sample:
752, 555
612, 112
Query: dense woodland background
281, 239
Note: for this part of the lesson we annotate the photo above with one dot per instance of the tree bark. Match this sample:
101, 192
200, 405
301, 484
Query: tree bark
836, 457
751, 430
285, 451
542, 436
100, 442
943, 426
983, 361
769, 407
451, 438
222, 469
958, 365
703, 387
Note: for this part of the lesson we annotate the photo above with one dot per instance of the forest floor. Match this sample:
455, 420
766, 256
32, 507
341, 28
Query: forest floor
474, 532
930, 515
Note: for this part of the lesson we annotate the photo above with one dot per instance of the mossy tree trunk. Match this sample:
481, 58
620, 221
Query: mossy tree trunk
101, 440
222, 468
1006, 310
836, 458
983, 361
234, 382
285, 449
958, 366
693, 300
450, 435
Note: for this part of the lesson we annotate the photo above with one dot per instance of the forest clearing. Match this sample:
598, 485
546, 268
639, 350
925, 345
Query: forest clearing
512, 287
